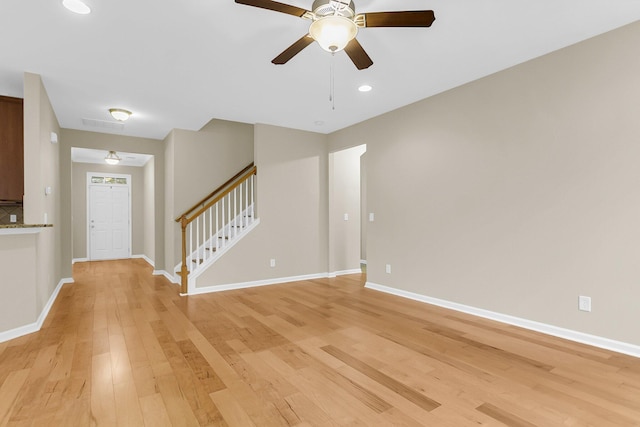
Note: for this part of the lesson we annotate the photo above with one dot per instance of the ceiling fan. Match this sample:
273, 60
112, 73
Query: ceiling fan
335, 26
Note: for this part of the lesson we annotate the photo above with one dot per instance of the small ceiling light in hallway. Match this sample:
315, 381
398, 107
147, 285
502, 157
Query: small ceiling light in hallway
112, 158
120, 114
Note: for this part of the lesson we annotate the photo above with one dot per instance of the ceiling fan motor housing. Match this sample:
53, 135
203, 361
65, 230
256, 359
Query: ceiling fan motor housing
344, 8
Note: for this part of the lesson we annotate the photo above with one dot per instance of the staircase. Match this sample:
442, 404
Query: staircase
215, 224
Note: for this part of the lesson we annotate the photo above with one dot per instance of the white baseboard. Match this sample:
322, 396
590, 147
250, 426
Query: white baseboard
343, 272
146, 258
52, 299
581, 337
18, 332
166, 274
233, 286
35, 327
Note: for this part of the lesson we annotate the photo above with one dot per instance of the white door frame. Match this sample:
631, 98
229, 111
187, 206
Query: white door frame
89, 183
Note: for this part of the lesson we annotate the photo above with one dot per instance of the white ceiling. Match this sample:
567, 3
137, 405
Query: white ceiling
179, 63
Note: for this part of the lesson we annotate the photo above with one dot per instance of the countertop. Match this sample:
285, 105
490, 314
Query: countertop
22, 228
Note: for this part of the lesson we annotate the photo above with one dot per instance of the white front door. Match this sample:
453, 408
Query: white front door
109, 219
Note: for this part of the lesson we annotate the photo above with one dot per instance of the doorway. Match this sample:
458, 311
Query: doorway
347, 232
109, 216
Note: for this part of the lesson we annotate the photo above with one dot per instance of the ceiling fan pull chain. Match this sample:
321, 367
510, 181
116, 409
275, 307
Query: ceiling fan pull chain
332, 84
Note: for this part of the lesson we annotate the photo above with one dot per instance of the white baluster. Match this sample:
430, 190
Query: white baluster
241, 226
210, 229
190, 257
197, 243
217, 233
246, 201
253, 190
223, 223
235, 211
204, 235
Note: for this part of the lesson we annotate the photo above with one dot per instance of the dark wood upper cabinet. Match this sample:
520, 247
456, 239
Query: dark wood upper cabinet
11, 148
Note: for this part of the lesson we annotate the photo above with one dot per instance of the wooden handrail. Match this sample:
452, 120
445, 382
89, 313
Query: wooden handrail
219, 197
214, 192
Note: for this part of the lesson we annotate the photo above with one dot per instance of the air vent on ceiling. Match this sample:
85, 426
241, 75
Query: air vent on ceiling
104, 124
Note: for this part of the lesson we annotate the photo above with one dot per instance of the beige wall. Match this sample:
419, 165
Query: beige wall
18, 263
41, 170
364, 214
149, 223
170, 245
344, 198
138, 199
18, 283
200, 162
292, 208
518, 192
99, 141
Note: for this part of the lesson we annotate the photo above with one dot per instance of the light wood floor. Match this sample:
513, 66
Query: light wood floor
121, 348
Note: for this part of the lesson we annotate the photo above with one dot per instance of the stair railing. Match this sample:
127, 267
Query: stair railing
210, 224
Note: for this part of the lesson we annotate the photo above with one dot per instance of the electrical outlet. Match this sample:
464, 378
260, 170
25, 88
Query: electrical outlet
346, 217
387, 268
584, 303
272, 262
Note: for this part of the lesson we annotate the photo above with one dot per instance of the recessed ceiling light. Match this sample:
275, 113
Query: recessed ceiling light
319, 123
76, 6
365, 88
120, 114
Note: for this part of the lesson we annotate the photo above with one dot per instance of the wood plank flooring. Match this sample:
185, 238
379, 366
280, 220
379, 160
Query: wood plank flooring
121, 348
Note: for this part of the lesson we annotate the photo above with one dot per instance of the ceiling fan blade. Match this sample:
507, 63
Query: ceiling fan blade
417, 18
274, 5
357, 54
293, 50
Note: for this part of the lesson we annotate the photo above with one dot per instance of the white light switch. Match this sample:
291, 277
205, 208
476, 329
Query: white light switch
371, 217
346, 217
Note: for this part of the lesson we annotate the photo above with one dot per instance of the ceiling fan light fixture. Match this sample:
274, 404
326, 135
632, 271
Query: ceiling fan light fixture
333, 33
112, 158
120, 114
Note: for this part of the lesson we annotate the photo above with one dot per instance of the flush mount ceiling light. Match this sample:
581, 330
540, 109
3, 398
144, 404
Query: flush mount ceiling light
120, 114
365, 88
112, 158
76, 6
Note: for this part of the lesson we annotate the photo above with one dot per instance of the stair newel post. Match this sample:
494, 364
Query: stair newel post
184, 272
